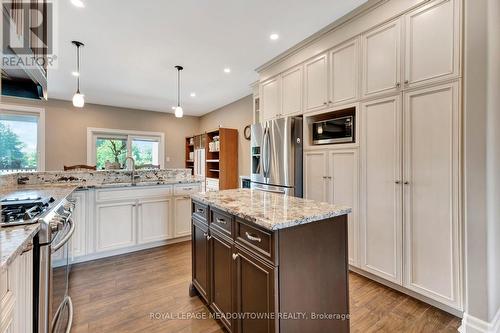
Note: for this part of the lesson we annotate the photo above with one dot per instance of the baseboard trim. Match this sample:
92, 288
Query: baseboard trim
444, 307
106, 254
471, 324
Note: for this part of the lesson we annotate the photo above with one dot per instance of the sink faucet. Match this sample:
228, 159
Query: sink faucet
133, 176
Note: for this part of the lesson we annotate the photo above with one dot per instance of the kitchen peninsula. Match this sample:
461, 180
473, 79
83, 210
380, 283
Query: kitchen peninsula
266, 262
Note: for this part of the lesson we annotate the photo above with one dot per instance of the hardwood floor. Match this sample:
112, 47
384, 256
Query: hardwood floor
135, 293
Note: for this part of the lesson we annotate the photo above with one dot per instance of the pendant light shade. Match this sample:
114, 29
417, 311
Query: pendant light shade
178, 110
78, 98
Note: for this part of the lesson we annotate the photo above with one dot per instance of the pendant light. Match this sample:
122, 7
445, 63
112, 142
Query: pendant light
78, 98
178, 110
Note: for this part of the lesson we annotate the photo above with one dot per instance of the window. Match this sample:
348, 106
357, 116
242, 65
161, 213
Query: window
21, 139
108, 149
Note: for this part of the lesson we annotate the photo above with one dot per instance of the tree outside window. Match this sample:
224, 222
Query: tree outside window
18, 143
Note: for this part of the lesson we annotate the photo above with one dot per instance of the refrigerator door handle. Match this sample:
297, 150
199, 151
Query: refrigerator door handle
265, 153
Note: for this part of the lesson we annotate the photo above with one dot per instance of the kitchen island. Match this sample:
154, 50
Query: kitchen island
265, 262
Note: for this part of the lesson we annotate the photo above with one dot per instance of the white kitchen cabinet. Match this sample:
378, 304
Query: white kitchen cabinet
182, 225
316, 175
431, 193
343, 190
344, 73
79, 217
432, 42
381, 212
16, 296
292, 91
332, 176
270, 98
115, 225
382, 59
316, 83
154, 219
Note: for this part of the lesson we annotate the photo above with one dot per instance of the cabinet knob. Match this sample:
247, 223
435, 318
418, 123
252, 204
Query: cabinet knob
235, 256
205, 234
407, 183
330, 102
325, 103
398, 85
209, 237
397, 182
406, 81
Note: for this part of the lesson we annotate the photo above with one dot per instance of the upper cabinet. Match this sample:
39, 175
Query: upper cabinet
382, 59
316, 83
270, 99
291, 92
344, 73
432, 42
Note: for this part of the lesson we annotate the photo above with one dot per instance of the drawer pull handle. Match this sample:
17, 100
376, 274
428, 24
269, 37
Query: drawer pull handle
221, 221
205, 234
253, 237
188, 188
209, 237
200, 210
235, 256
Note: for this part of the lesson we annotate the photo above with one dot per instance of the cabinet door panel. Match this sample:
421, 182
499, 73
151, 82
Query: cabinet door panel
316, 83
115, 227
344, 74
270, 99
222, 286
79, 216
432, 42
292, 91
255, 283
344, 191
200, 250
182, 216
315, 171
154, 219
382, 59
431, 159
381, 223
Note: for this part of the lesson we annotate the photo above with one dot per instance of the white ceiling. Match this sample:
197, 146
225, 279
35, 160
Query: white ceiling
131, 47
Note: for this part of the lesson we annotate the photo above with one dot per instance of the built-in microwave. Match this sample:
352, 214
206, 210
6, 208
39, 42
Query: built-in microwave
335, 130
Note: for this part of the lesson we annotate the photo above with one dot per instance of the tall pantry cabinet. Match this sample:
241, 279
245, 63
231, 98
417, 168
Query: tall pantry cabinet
402, 175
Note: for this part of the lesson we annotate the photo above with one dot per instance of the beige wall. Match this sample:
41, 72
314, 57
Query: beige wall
235, 115
66, 129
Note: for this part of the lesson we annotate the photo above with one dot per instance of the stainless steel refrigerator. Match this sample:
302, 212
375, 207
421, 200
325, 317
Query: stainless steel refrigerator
276, 153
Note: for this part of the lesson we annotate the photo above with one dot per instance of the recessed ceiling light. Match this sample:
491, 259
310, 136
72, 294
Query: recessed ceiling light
192, 94
227, 70
78, 3
274, 36
75, 73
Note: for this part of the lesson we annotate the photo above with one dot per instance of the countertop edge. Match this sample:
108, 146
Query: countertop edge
276, 226
6, 262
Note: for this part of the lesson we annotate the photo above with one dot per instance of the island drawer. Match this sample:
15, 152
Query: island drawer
200, 211
257, 240
222, 221
186, 189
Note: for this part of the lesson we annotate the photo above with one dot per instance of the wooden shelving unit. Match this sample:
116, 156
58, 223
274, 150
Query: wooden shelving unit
222, 164
190, 149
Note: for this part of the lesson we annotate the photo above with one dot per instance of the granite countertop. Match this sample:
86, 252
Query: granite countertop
270, 210
14, 239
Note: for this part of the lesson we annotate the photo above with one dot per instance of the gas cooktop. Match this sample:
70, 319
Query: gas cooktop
24, 210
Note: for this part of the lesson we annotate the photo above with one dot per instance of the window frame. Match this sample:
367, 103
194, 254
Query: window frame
31, 111
93, 133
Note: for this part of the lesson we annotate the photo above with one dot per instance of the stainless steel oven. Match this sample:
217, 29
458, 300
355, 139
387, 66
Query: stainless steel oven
335, 130
54, 308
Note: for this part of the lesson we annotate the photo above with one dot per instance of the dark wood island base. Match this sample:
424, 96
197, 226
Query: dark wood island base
293, 279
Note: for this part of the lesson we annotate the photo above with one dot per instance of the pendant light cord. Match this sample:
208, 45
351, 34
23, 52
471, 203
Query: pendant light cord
178, 87
78, 68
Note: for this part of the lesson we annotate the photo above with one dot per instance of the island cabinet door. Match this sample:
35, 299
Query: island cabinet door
254, 284
200, 253
221, 263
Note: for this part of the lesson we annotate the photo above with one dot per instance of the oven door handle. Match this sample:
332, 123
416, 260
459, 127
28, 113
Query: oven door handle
66, 238
67, 300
